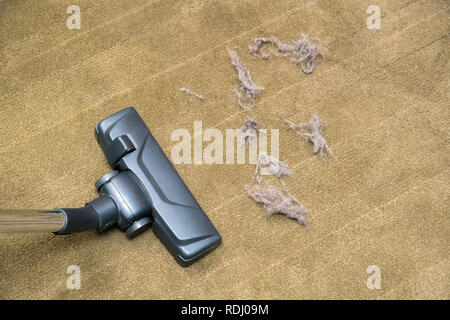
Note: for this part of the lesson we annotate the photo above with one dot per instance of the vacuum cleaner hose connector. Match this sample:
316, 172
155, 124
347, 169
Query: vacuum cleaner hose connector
100, 214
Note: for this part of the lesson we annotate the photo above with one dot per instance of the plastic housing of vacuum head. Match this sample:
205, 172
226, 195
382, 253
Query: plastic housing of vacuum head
145, 189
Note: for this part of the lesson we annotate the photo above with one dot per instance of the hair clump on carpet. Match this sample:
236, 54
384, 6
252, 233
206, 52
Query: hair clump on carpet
276, 167
314, 135
247, 86
303, 51
250, 130
279, 201
274, 199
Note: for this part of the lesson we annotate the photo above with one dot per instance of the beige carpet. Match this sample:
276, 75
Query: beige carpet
383, 96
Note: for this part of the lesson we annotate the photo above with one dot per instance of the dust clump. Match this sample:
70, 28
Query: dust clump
303, 51
250, 131
247, 86
314, 135
275, 166
274, 199
279, 201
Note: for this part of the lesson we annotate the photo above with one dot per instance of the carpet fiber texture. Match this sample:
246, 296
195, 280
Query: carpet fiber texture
382, 96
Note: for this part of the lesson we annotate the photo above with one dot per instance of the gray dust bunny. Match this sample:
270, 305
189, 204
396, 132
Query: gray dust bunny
303, 51
279, 201
314, 135
247, 86
250, 131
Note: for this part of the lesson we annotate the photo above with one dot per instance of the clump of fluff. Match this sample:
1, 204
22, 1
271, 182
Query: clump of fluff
279, 201
247, 86
302, 51
314, 135
250, 131
276, 167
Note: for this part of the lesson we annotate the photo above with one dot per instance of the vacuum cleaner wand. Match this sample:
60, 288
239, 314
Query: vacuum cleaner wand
143, 190
31, 221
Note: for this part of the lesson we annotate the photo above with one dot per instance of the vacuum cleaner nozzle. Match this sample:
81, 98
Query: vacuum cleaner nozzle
143, 190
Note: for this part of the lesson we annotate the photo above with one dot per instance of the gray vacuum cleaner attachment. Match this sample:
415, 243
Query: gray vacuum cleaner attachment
143, 189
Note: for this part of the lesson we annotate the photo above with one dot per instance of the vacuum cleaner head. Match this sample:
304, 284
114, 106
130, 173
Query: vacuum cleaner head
143, 190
